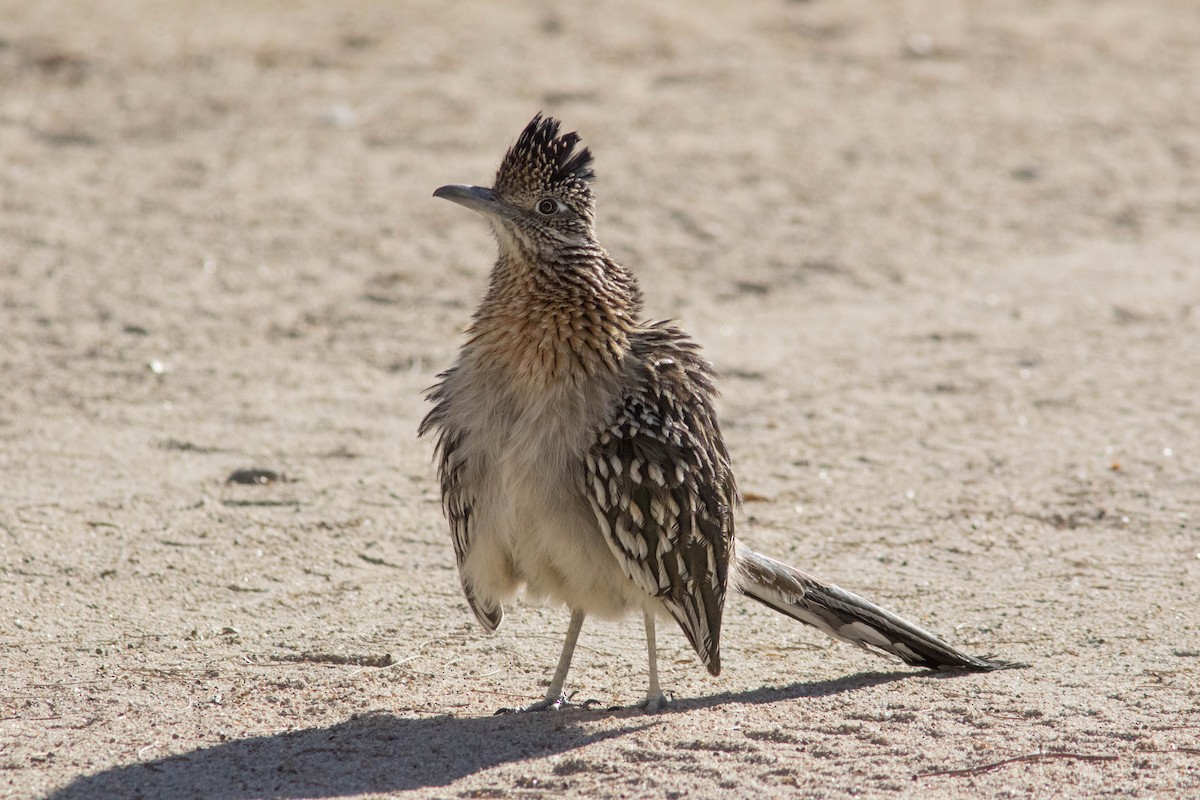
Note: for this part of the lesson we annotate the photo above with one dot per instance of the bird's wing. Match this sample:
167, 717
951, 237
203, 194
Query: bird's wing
457, 502
659, 481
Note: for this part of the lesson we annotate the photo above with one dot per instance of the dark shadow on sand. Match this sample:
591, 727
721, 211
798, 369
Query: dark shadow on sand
385, 753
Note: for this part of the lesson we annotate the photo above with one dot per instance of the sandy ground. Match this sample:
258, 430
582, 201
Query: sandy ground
945, 255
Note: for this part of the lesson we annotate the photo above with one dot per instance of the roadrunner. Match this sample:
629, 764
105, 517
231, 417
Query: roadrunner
578, 447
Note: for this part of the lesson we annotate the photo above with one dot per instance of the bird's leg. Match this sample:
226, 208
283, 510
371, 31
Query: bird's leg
554, 695
655, 699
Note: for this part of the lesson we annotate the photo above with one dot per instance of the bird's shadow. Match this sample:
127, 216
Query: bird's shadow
381, 752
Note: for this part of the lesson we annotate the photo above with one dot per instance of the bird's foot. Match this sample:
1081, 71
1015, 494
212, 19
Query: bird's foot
654, 703
545, 704
549, 704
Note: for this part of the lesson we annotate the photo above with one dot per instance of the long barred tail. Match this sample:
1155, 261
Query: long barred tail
846, 616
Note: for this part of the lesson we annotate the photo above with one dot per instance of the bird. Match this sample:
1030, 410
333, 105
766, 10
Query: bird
578, 448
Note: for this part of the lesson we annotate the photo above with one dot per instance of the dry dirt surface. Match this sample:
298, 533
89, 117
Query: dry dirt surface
946, 257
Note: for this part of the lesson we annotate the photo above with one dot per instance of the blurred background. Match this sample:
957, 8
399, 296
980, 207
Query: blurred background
946, 256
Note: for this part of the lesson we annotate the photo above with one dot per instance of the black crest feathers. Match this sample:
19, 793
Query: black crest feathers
540, 154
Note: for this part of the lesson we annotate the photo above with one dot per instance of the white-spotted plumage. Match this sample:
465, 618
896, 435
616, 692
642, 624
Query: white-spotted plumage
643, 500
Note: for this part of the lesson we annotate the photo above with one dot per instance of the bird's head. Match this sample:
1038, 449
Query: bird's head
542, 196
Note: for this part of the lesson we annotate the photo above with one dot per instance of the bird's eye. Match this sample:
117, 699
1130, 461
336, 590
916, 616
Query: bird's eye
548, 206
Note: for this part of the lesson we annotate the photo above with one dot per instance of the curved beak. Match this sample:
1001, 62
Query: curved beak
476, 198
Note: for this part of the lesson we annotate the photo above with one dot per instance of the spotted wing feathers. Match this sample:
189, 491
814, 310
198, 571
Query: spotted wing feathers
659, 481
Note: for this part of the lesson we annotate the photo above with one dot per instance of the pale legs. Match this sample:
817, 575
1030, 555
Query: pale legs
655, 699
554, 695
